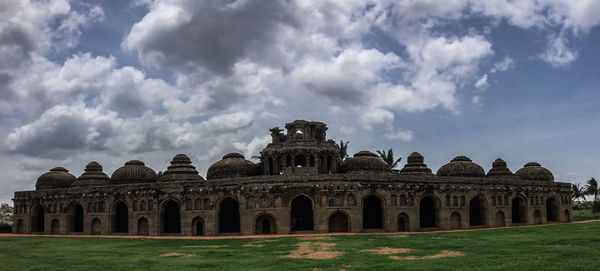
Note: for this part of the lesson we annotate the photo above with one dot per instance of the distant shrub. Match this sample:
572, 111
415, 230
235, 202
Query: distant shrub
596, 206
5, 228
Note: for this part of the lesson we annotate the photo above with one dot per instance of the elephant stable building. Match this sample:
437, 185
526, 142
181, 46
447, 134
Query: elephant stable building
300, 185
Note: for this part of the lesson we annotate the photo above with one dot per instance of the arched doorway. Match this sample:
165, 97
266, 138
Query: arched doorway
37, 219
455, 221
75, 223
372, 213
120, 218
537, 217
54, 226
403, 222
96, 226
338, 222
551, 210
229, 216
171, 217
20, 226
500, 219
198, 226
519, 210
477, 212
567, 216
265, 224
142, 226
301, 215
428, 212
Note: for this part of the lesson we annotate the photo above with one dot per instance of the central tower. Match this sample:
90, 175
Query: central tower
302, 150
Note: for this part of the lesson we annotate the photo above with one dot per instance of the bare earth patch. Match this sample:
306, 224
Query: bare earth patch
310, 238
387, 250
443, 254
212, 246
253, 245
1, 255
175, 254
314, 250
399, 236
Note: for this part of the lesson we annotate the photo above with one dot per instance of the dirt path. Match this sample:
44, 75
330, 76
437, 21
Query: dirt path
276, 235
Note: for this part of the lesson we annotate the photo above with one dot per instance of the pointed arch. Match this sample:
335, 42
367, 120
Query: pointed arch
339, 222
455, 221
403, 222
373, 211
142, 226
37, 219
96, 226
478, 211
519, 210
55, 226
500, 219
429, 208
301, 213
119, 217
551, 209
265, 224
229, 215
170, 216
198, 226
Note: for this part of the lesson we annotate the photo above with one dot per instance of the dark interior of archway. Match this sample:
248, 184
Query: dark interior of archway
372, 213
475, 213
171, 218
122, 218
302, 214
38, 220
96, 226
551, 210
402, 223
199, 228
78, 219
229, 217
518, 212
338, 222
299, 161
266, 226
143, 226
427, 213
270, 166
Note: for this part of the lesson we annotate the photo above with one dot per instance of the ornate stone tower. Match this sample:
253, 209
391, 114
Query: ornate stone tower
303, 150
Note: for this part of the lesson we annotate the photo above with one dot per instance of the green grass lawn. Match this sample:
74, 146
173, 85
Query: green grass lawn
552, 247
579, 215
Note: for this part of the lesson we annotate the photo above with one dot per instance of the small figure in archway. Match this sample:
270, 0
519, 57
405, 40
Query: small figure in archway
293, 223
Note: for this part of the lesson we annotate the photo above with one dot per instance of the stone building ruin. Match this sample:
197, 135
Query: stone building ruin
300, 185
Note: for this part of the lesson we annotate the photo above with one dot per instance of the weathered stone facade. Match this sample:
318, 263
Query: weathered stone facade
300, 185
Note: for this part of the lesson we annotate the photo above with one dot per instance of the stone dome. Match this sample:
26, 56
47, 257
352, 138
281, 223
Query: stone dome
499, 169
92, 176
232, 165
58, 177
415, 165
181, 169
535, 172
134, 171
461, 166
365, 162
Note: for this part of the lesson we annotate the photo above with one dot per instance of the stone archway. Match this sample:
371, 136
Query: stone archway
170, 217
338, 222
455, 221
301, 214
20, 226
519, 210
55, 227
403, 223
120, 218
96, 227
265, 224
75, 218
567, 216
500, 221
38, 220
229, 216
477, 212
372, 212
429, 212
198, 226
142, 226
551, 210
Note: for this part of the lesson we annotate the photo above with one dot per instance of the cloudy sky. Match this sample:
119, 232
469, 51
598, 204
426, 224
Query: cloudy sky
111, 81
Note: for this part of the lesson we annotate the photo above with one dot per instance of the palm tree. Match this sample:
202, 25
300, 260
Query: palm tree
343, 149
592, 188
578, 193
388, 157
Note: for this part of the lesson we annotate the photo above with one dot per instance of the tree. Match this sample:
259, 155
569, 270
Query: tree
343, 149
591, 188
578, 193
388, 157
6, 213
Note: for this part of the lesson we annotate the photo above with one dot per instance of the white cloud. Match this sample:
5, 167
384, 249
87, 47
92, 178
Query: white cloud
482, 83
506, 64
377, 119
558, 53
402, 135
